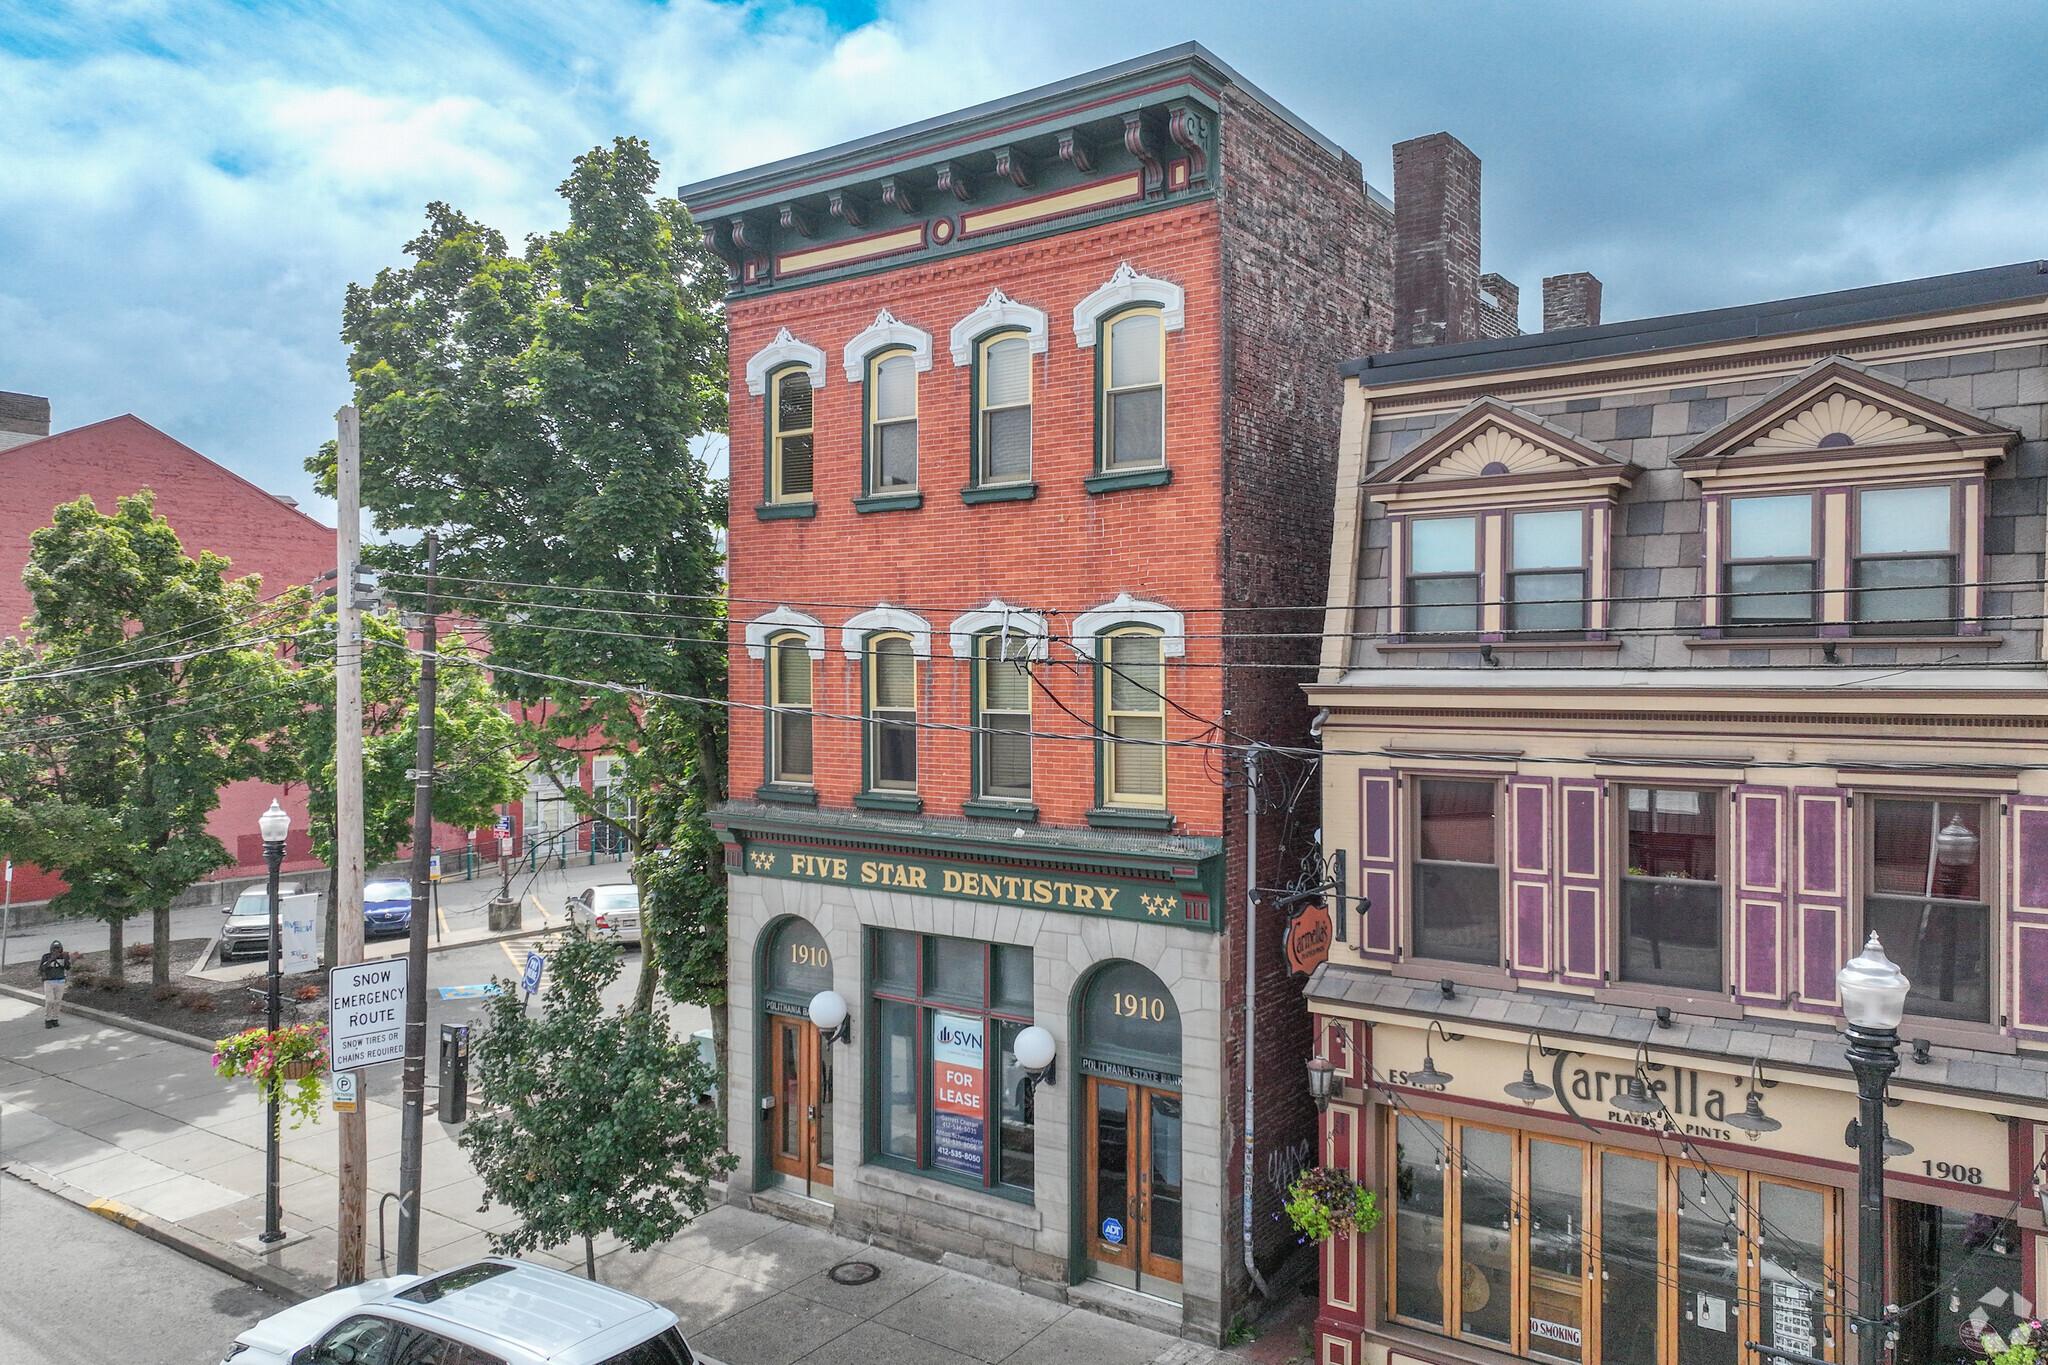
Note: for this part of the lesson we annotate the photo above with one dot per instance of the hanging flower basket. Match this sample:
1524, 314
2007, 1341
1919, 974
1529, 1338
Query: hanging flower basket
1323, 1201
286, 1066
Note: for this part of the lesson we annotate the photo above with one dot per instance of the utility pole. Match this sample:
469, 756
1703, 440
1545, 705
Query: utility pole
351, 1222
412, 1118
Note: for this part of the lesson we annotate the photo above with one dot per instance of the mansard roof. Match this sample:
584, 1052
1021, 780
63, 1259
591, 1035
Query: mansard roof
1838, 409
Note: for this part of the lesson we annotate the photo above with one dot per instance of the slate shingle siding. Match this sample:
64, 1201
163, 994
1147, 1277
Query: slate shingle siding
1659, 548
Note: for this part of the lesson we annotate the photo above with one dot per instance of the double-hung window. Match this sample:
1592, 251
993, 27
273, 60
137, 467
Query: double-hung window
1442, 589
892, 422
947, 1096
1926, 901
1002, 668
1456, 872
1905, 561
1003, 421
789, 713
1670, 932
1133, 695
789, 436
892, 713
1134, 391
1772, 567
1547, 571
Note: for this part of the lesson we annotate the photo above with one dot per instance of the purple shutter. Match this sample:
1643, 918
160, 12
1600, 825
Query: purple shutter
1378, 867
1530, 875
2030, 978
2026, 824
1582, 884
1820, 823
2028, 835
1760, 877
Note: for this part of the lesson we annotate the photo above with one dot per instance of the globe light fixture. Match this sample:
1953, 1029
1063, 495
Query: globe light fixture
1873, 988
828, 1013
1955, 846
274, 824
1322, 1078
1037, 1052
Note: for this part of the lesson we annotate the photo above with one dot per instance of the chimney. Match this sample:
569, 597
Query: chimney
1436, 242
1570, 301
1500, 307
23, 418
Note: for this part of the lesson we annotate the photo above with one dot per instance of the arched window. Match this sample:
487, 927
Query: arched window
892, 421
1131, 687
789, 435
789, 715
1002, 697
1132, 411
892, 713
1003, 409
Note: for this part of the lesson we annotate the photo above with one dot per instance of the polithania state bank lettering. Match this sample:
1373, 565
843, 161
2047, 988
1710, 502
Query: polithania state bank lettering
1114, 898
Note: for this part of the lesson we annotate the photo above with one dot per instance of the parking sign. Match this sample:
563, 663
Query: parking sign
366, 1013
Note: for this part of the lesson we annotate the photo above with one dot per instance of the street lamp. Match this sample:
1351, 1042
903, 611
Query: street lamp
1873, 1001
828, 1013
1036, 1051
274, 824
1322, 1079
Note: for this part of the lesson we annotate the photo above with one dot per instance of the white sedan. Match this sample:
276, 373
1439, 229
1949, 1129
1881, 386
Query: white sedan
611, 912
491, 1312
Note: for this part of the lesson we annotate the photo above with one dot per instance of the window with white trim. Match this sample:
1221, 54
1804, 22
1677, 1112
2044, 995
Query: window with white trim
790, 432
1133, 692
789, 714
1003, 409
1002, 694
1133, 407
892, 422
892, 713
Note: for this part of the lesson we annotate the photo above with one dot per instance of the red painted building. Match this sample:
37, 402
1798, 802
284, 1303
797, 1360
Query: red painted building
1034, 420
210, 507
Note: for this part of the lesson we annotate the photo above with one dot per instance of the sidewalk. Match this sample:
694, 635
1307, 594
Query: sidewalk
142, 1130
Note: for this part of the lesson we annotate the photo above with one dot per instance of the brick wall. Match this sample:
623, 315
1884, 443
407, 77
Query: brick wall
1308, 264
1436, 235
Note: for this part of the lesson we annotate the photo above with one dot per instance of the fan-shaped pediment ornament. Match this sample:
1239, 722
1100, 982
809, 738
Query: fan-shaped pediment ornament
1493, 452
1841, 420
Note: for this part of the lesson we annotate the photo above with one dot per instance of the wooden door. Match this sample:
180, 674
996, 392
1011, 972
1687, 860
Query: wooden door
800, 1077
1135, 1191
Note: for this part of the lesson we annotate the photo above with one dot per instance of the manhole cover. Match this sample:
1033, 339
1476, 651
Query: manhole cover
855, 1272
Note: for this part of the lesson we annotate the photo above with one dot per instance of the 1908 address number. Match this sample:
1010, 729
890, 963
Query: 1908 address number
1960, 1174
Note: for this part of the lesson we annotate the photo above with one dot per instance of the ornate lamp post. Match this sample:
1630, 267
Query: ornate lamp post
274, 824
1873, 1001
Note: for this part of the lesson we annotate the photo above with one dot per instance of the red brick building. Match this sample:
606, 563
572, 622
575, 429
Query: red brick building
210, 507
1034, 420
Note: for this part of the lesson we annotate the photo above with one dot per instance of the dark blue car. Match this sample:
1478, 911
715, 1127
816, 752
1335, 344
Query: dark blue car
387, 908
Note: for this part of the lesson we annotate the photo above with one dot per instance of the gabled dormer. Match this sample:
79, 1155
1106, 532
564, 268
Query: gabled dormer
1846, 504
1499, 530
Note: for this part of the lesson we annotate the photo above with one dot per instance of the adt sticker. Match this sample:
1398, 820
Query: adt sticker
1113, 1231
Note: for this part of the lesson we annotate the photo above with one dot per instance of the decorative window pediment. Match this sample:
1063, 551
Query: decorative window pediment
998, 310
1126, 287
1001, 616
784, 350
886, 330
853, 635
1127, 610
1829, 416
1495, 453
784, 621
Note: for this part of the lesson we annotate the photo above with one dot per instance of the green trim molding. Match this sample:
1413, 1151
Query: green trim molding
889, 502
1115, 480
1021, 812
999, 492
785, 511
1115, 817
1142, 878
783, 794
897, 801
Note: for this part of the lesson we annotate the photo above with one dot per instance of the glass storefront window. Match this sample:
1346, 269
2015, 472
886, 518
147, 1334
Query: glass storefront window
1689, 1261
1953, 1267
948, 1096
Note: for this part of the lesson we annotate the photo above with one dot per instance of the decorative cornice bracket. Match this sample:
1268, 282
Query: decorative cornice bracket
1188, 129
1074, 150
1140, 143
896, 193
796, 220
1012, 166
847, 209
952, 179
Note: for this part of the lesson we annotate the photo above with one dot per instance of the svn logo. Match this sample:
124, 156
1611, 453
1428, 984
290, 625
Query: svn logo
951, 1036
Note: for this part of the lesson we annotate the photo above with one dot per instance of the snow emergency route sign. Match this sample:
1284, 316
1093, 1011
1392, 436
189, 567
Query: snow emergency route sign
366, 1013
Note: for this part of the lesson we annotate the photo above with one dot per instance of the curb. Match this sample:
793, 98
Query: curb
98, 1016
267, 1278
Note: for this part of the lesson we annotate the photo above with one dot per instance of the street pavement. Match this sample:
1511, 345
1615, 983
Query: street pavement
141, 1128
81, 1290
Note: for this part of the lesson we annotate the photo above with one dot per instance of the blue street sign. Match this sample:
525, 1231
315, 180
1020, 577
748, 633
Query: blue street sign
530, 982
1113, 1231
468, 992
504, 824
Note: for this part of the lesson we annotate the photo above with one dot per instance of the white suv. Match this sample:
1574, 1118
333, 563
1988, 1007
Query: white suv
491, 1312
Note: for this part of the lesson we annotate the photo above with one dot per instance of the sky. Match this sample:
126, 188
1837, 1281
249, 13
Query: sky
188, 188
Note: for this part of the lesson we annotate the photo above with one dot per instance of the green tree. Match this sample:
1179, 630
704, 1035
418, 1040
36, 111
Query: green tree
591, 1123
148, 680
539, 411
476, 745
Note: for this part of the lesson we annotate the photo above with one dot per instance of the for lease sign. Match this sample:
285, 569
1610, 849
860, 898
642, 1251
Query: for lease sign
959, 1053
366, 1013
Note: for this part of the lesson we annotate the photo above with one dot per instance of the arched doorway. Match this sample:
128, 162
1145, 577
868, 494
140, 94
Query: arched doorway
797, 1120
1130, 1055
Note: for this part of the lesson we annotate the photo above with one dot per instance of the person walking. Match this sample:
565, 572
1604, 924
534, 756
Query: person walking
55, 967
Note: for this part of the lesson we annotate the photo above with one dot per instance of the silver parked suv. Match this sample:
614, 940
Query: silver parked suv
491, 1312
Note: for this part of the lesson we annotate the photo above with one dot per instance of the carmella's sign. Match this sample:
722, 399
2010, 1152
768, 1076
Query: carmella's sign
959, 1119
366, 1013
